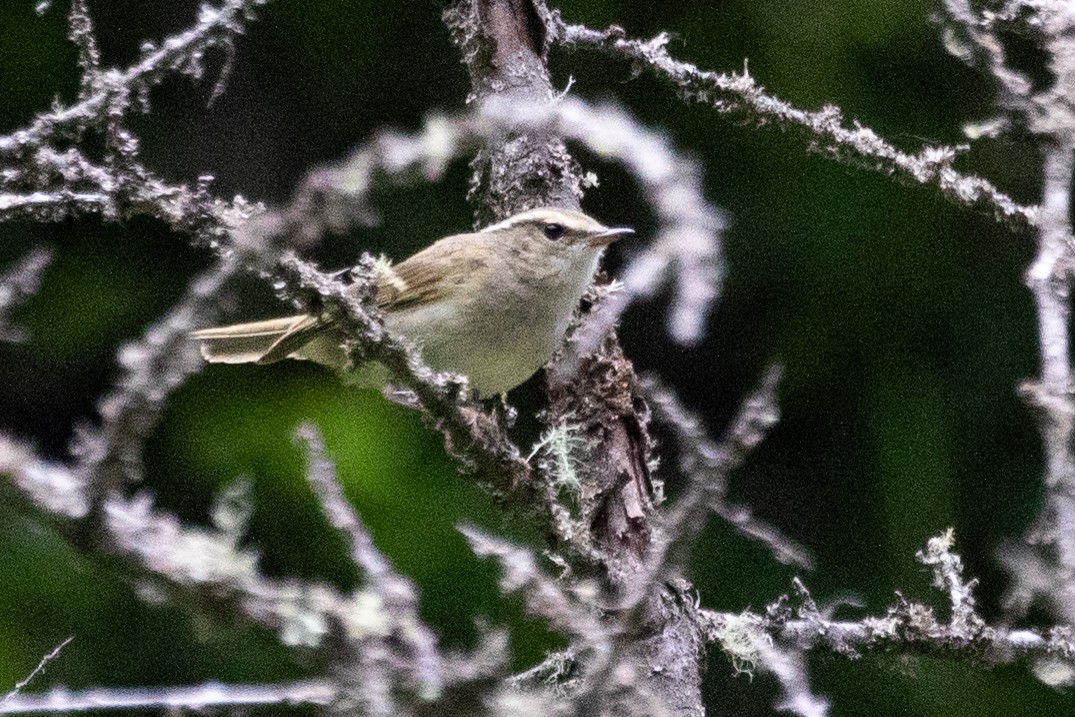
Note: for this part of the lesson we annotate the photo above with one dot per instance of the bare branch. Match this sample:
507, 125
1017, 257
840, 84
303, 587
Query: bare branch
50, 186
829, 131
200, 698
399, 601
707, 466
45, 660
16, 285
543, 597
115, 90
110, 455
974, 37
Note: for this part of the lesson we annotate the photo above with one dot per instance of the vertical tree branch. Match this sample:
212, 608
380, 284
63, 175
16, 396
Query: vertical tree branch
1049, 279
974, 36
503, 47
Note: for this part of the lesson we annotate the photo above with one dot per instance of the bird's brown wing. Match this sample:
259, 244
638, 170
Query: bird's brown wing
431, 274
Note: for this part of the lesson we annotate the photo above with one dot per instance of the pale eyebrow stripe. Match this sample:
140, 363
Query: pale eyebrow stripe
527, 216
502, 225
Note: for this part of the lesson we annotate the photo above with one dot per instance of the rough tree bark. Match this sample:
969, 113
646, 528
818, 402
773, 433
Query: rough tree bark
503, 45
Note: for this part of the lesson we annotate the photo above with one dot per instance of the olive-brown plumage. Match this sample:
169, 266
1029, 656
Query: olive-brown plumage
492, 304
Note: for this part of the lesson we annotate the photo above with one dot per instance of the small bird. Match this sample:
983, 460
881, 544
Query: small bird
492, 304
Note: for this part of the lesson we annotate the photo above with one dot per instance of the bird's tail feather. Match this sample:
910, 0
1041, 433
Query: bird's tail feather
301, 337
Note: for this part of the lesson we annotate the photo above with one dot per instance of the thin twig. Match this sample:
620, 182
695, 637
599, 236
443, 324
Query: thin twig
947, 570
21, 684
18, 284
543, 596
707, 465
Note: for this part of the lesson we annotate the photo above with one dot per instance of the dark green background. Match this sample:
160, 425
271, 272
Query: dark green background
901, 320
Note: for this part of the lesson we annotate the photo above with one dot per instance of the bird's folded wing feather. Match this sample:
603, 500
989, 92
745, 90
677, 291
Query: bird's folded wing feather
257, 341
431, 274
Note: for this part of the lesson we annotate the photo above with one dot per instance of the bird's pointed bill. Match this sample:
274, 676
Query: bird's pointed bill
609, 235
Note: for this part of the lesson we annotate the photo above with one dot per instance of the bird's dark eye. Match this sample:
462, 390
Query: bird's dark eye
553, 231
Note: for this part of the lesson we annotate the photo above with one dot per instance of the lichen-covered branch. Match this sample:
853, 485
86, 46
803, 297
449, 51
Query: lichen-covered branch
829, 131
971, 37
975, 37
1049, 279
110, 455
207, 566
502, 44
544, 597
396, 595
750, 640
106, 93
